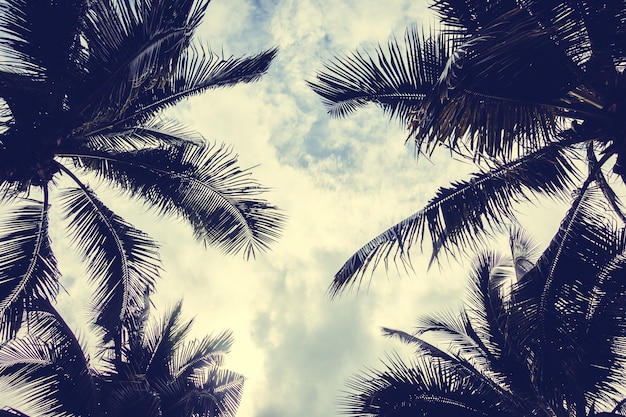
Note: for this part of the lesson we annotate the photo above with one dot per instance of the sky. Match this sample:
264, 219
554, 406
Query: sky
339, 181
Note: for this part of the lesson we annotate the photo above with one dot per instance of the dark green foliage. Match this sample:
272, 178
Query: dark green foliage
506, 84
83, 85
537, 336
154, 372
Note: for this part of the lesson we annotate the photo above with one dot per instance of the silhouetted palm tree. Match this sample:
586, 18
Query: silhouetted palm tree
537, 336
82, 87
519, 86
156, 373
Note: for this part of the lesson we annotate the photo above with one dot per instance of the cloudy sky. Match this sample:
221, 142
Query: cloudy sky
340, 182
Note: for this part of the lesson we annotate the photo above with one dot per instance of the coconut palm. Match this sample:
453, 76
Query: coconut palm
83, 87
156, 372
541, 336
520, 87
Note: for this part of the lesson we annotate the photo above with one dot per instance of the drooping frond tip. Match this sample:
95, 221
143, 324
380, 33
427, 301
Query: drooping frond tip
201, 183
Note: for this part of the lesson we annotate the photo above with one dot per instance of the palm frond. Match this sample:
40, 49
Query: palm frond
28, 268
41, 38
27, 366
602, 182
218, 393
198, 69
40, 376
458, 217
162, 340
397, 80
41, 66
485, 302
463, 340
120, 35
198, 354
464, 18
584, 243
152, 134
524, 251
592, 33
130, 398
426, 386
6, 116
489, 307
199, 183
121, 260
75, 377
551, 303
50, 355
501, 92
457, 363
602, 342
132, 41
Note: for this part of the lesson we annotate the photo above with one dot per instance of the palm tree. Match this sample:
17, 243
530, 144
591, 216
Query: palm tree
520, 87
83, 85
541, 336
156, 373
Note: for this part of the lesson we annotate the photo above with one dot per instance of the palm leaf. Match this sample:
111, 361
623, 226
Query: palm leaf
459, 216
26, 365
512, 62
43, 378
502, 88
456, 329
187, 376
130, 398
218, 393
199, 183
49, 355
75, 377
152, 134
120, 35
427, 386
458, 363
463, 18
121, 260
40, 37
397, 80
197, 70
604, 336
132, 41
198, 354
42, 60
602, 182
162, 341
28, 268
485, 303
592, 33
551, 303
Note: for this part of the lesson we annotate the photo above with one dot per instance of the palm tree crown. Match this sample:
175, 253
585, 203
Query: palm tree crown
154, 373
82, 86
520, 87
538, 336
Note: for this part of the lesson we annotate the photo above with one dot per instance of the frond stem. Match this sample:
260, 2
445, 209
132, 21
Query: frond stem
35, 255
119, 245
